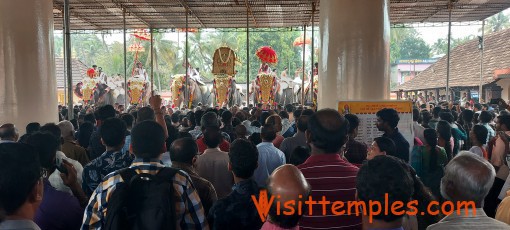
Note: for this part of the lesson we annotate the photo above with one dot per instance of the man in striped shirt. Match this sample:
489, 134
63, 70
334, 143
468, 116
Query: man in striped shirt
331, 177
148, 142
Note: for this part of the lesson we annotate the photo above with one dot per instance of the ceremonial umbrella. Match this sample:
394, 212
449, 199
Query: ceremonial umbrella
142, 34
136, 48
267, 54
91, 72
299, 41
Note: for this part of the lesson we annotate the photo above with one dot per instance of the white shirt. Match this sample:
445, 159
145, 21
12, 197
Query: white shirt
55, 179
476, 150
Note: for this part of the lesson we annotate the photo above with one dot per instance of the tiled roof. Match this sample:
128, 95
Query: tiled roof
79, 71
465, 64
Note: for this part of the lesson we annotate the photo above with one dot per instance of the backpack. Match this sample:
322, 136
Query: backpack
143, 201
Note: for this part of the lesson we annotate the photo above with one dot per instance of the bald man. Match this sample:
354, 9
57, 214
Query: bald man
289, 183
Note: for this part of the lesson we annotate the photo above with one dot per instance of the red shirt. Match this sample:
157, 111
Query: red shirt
224, 145
278, 141
330, 176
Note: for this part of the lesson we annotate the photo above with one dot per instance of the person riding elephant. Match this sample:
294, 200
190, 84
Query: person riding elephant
265, 86
181, 94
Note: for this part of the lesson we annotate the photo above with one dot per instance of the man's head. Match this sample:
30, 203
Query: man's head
382, 146
446, 116
289, 108
145, 114
46, 146
175, 118
268, 133
503, 123
20, 184
297, 113
212, 137
436, 111
485, 117
148, 140
9, 132
184, 150
209, 119
53, 129
226, 117
327, 131
477, 107
275, 121
90, 118
289, 183
32, 127
383, 178
105, 112
353, 124
128, 120
302, 123
113, 132
241, 131
387, 119
467, 177
243, 158
66, 129
416, 114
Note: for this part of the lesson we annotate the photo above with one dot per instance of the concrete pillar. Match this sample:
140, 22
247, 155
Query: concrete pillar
355, 51
27, 68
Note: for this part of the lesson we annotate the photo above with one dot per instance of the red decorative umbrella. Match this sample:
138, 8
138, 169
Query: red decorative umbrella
142, 34
299, 41
91, 72
267, 54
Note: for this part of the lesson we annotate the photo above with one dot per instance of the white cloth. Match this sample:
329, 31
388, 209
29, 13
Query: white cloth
286, 124
165, 158
418, 132
476, 150
56, 180
19, 225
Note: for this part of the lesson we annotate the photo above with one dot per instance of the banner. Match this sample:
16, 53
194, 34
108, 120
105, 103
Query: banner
366, 112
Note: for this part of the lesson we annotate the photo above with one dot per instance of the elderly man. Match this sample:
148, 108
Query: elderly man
69, 146
8, 133
468, 177
289, 183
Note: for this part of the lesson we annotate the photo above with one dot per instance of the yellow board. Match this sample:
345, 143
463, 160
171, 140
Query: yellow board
363, 107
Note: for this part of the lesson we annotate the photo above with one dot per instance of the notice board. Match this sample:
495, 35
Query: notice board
366, 112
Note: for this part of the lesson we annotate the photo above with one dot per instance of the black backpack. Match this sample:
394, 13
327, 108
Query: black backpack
143, 201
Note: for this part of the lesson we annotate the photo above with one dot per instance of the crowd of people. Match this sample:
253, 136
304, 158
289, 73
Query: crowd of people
245, 168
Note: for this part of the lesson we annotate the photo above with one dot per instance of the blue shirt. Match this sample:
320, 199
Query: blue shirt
97, 169
270, 158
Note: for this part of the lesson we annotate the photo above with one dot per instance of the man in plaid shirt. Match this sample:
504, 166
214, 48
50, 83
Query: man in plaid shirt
147, 143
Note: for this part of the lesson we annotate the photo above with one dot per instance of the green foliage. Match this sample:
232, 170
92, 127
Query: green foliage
496, 23
406, 43
440, 47
169, 55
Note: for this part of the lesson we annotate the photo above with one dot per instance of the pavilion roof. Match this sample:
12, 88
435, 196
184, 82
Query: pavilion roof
465, 65
165, 14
